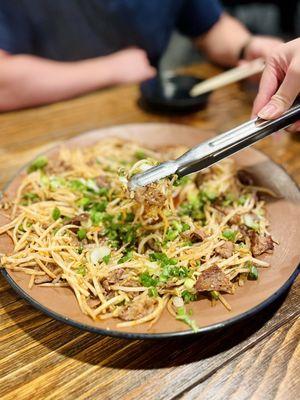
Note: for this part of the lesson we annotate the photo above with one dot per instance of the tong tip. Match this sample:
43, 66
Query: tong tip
153, 174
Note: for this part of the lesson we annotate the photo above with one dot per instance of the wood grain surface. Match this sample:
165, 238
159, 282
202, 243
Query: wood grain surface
43, 359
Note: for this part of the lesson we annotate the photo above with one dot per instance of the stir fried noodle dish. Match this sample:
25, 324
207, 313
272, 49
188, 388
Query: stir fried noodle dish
131, 254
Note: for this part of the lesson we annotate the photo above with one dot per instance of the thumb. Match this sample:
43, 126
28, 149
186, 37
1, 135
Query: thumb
284, 97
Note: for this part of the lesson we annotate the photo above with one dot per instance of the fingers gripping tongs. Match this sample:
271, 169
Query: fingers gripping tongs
213, 150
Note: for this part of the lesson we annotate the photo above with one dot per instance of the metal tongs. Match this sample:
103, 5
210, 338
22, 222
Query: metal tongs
214, 150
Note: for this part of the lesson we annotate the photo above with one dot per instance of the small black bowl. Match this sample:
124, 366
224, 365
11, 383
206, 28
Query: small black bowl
170, 93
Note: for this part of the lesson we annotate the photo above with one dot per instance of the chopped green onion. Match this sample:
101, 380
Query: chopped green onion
188, 296
92, 186
250, 223
162, 259
56, 213
181, 181
228, 200
253, 273
129, 217
56, 182
180, 272
193, 198
152, 291
147, 280
189, 283
242, 200
39, 163
185, 227
106, 259
81, 234
77, 185
193, 208
97, 253
101, 206
81, 270
21, 228
103, 191
229, 234
177, 225
140, 155
184, 317
171, 234
96, 217
215, 295
30, 197
84, 202
126, 257
169, 271
210, 195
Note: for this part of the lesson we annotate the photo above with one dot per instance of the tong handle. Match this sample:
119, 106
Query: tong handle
234, 140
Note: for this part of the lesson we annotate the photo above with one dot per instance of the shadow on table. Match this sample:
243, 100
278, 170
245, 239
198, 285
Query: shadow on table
148, 354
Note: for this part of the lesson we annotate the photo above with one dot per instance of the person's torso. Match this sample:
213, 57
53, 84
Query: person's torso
79, 29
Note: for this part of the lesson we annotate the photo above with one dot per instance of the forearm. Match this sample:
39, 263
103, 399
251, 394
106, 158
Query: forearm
224, 41
28, 81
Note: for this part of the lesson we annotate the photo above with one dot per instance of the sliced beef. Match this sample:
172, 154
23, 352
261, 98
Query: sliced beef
245, 177
226, 250
93, 303
260, 244
83, 217
105, 285
139, 308
222, 209
116, 276
199, 179
214, 279
55, 167
150, 196
153, 245
235, 220
198, 235
101, 181
42, 279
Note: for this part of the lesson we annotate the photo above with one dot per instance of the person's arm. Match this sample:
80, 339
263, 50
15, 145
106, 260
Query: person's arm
27, 80
280, 83
225, 40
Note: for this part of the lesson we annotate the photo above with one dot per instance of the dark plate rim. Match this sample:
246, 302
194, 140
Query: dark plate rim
147, 336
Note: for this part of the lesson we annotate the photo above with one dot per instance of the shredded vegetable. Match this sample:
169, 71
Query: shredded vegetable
130, 255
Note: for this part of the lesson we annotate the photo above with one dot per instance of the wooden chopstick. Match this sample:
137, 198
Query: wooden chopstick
231, 76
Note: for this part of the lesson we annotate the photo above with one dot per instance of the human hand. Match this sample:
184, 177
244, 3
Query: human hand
260, 46
280, 83
130, 66
4, 53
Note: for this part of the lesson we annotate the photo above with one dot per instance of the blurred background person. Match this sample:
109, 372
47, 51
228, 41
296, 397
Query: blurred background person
52, 50
261, 17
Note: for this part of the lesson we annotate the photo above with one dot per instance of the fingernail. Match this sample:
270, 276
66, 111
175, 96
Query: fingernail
268, 111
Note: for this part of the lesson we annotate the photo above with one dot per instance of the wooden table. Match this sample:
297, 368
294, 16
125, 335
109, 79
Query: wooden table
41, 358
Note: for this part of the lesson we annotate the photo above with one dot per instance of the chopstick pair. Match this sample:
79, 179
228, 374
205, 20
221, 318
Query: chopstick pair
233, 75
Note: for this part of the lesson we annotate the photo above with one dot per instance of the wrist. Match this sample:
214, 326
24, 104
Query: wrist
112, 69
101, 71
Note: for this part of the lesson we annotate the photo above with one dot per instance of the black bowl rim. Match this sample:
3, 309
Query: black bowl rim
148, 336
175, 104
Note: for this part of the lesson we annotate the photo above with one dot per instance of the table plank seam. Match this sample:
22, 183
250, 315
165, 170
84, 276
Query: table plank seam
233, 357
